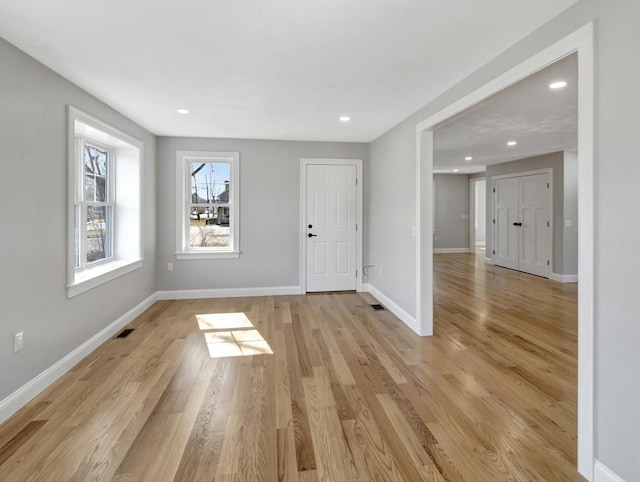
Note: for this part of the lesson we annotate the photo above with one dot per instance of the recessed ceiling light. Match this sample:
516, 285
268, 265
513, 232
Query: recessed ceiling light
456, 170
345, 118
511, 143
558, 85
468, 158
183, 111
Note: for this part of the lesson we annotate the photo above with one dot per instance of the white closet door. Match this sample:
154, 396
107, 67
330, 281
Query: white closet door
523, 231
506, 219
535, 231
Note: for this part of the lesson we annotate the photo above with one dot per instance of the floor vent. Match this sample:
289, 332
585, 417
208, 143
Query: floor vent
377, 307
125, 333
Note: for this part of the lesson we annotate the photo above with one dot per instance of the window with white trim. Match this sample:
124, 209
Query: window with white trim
207, 207
105, 223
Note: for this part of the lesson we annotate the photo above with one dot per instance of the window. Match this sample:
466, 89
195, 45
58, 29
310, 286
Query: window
104, 203
93, 215
207, 208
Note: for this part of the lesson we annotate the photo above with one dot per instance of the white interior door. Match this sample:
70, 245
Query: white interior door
331, 227
535, 228
506, 220
522, 216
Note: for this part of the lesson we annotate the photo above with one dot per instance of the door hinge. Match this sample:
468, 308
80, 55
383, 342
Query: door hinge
356, 227
547, 185
494, 221
356, 273
356, 181
493, 251
494, 189
548, 224
548, 263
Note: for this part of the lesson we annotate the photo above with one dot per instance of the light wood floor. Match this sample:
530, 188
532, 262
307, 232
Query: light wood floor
347, 394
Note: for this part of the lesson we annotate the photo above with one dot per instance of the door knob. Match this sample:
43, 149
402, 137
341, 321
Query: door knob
311, 235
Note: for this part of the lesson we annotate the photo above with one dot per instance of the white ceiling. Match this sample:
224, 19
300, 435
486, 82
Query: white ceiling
270, 69
539, 119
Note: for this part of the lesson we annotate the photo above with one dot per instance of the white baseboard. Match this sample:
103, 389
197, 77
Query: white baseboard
480, 244
451, 250
602, 473
406, 318
229, 293
564, 278
488, 260
29, 390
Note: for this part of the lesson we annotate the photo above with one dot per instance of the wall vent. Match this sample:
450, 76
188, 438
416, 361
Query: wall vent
125, 333
377, 307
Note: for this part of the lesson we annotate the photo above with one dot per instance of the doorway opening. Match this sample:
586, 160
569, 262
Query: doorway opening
478, 216
580, 42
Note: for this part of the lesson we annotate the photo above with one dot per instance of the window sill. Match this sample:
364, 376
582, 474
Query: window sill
97, 275
208, 255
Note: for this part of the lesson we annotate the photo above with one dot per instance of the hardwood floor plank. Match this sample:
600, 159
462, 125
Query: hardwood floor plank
30, 412
29, 430
334, 459
376, 460
304, 445
202, 450
286, 450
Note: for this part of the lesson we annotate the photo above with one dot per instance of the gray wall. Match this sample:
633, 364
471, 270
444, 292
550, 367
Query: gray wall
33, 209
555, 161
570, 237
451, 201
392, 215
617, 217
269, 212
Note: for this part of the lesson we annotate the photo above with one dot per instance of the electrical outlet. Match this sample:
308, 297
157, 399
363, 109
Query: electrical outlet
18, 342
568, 223
169, 266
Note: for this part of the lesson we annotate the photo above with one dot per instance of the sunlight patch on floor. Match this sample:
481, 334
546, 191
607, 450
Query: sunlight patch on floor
231, 334
223, 321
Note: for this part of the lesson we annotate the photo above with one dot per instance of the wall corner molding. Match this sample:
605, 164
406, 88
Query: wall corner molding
39, 383
564, 278
602, 473
451, 250
392, 306
229, 292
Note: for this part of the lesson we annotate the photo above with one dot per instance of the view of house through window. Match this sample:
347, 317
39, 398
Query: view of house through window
207, 204
209, 211
97, 210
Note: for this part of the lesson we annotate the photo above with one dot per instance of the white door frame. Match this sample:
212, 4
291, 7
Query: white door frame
304, 162
549, 172
580, 41
472, 212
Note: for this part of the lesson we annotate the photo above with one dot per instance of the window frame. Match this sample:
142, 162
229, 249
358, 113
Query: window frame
126, 237
184, 202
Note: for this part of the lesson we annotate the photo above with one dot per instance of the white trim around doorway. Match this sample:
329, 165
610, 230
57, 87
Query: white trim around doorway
582, 42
